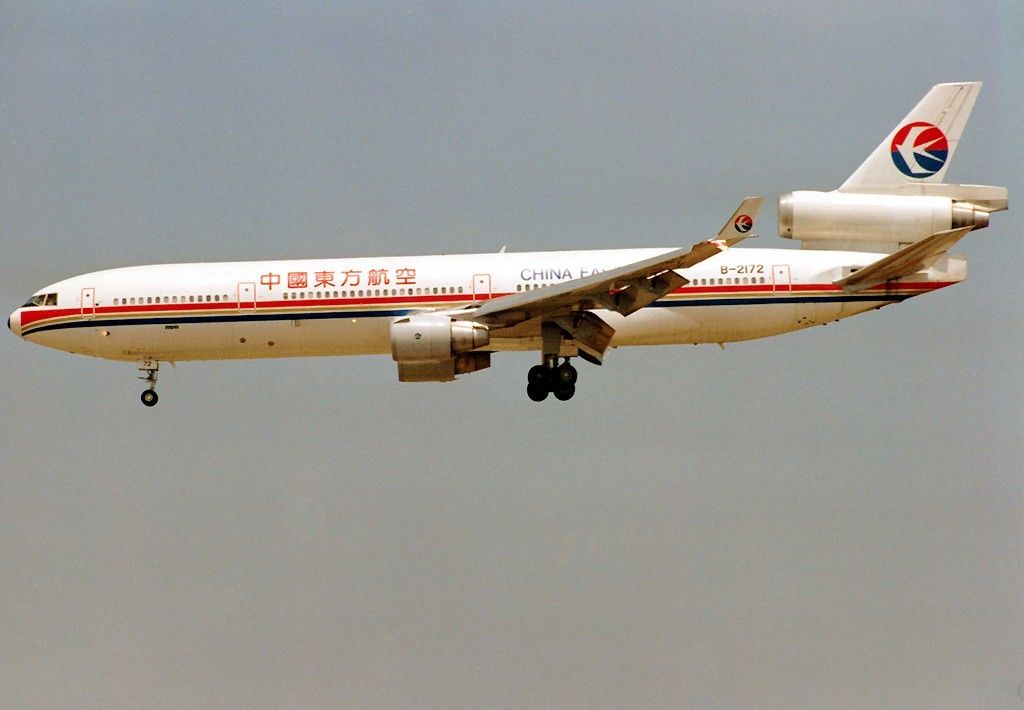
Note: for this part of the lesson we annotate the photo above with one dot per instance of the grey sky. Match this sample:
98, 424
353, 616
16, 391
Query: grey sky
828, 519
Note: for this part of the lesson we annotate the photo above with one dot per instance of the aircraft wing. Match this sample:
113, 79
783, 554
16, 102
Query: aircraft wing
905, 262
625, 289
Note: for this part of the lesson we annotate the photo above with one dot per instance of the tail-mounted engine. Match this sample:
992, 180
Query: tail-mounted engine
875, 221
431, 347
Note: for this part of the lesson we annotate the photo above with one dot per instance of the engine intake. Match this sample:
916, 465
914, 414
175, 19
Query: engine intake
435, 348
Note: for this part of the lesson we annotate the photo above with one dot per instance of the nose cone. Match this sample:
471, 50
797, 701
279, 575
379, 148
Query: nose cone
14, 323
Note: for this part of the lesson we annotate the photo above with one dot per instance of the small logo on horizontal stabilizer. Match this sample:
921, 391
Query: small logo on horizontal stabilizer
919, 149
743, 223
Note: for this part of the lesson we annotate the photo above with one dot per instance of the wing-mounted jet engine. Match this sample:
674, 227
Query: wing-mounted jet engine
432, 347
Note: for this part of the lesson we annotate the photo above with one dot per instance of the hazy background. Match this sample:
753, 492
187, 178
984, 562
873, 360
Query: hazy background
829, 519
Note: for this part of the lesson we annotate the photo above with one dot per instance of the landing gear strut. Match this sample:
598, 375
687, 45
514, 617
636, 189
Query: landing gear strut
148, 371
551, 378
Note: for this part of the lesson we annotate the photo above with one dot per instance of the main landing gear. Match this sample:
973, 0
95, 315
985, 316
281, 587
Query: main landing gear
551, 378
148, 371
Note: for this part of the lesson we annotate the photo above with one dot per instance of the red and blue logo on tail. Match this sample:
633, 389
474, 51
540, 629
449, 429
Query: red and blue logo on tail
743, 223
919, 149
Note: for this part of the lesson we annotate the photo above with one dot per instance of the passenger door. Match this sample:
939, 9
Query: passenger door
246, 295
481, 287
781, 279
88, 303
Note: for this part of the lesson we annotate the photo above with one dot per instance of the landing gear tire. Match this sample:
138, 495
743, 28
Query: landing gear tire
538, 375
537, 391
150, 398
565, 374
549, 378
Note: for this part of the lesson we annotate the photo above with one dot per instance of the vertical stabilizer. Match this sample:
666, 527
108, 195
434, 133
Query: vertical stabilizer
919, 149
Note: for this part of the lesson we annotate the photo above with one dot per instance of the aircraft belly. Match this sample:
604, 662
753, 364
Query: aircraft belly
706, 324
690, 324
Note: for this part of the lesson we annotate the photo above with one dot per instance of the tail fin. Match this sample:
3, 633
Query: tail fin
921, 146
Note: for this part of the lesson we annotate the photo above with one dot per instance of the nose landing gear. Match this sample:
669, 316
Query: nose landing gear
148, 370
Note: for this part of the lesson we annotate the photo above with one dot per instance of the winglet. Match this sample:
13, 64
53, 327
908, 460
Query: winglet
742, 221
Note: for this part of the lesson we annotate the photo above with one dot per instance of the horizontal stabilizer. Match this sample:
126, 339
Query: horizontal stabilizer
905, 262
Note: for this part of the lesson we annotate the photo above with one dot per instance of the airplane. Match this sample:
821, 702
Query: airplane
880, 238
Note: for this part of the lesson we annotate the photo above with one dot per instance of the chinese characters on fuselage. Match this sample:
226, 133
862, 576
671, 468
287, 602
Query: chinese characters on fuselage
349, 278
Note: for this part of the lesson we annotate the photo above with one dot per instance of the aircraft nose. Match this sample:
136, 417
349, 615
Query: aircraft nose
14, 323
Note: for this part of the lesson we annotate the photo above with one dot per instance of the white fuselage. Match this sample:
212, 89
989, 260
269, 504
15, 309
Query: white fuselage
310, 307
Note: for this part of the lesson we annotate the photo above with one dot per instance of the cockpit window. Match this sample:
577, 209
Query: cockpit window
42, 299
